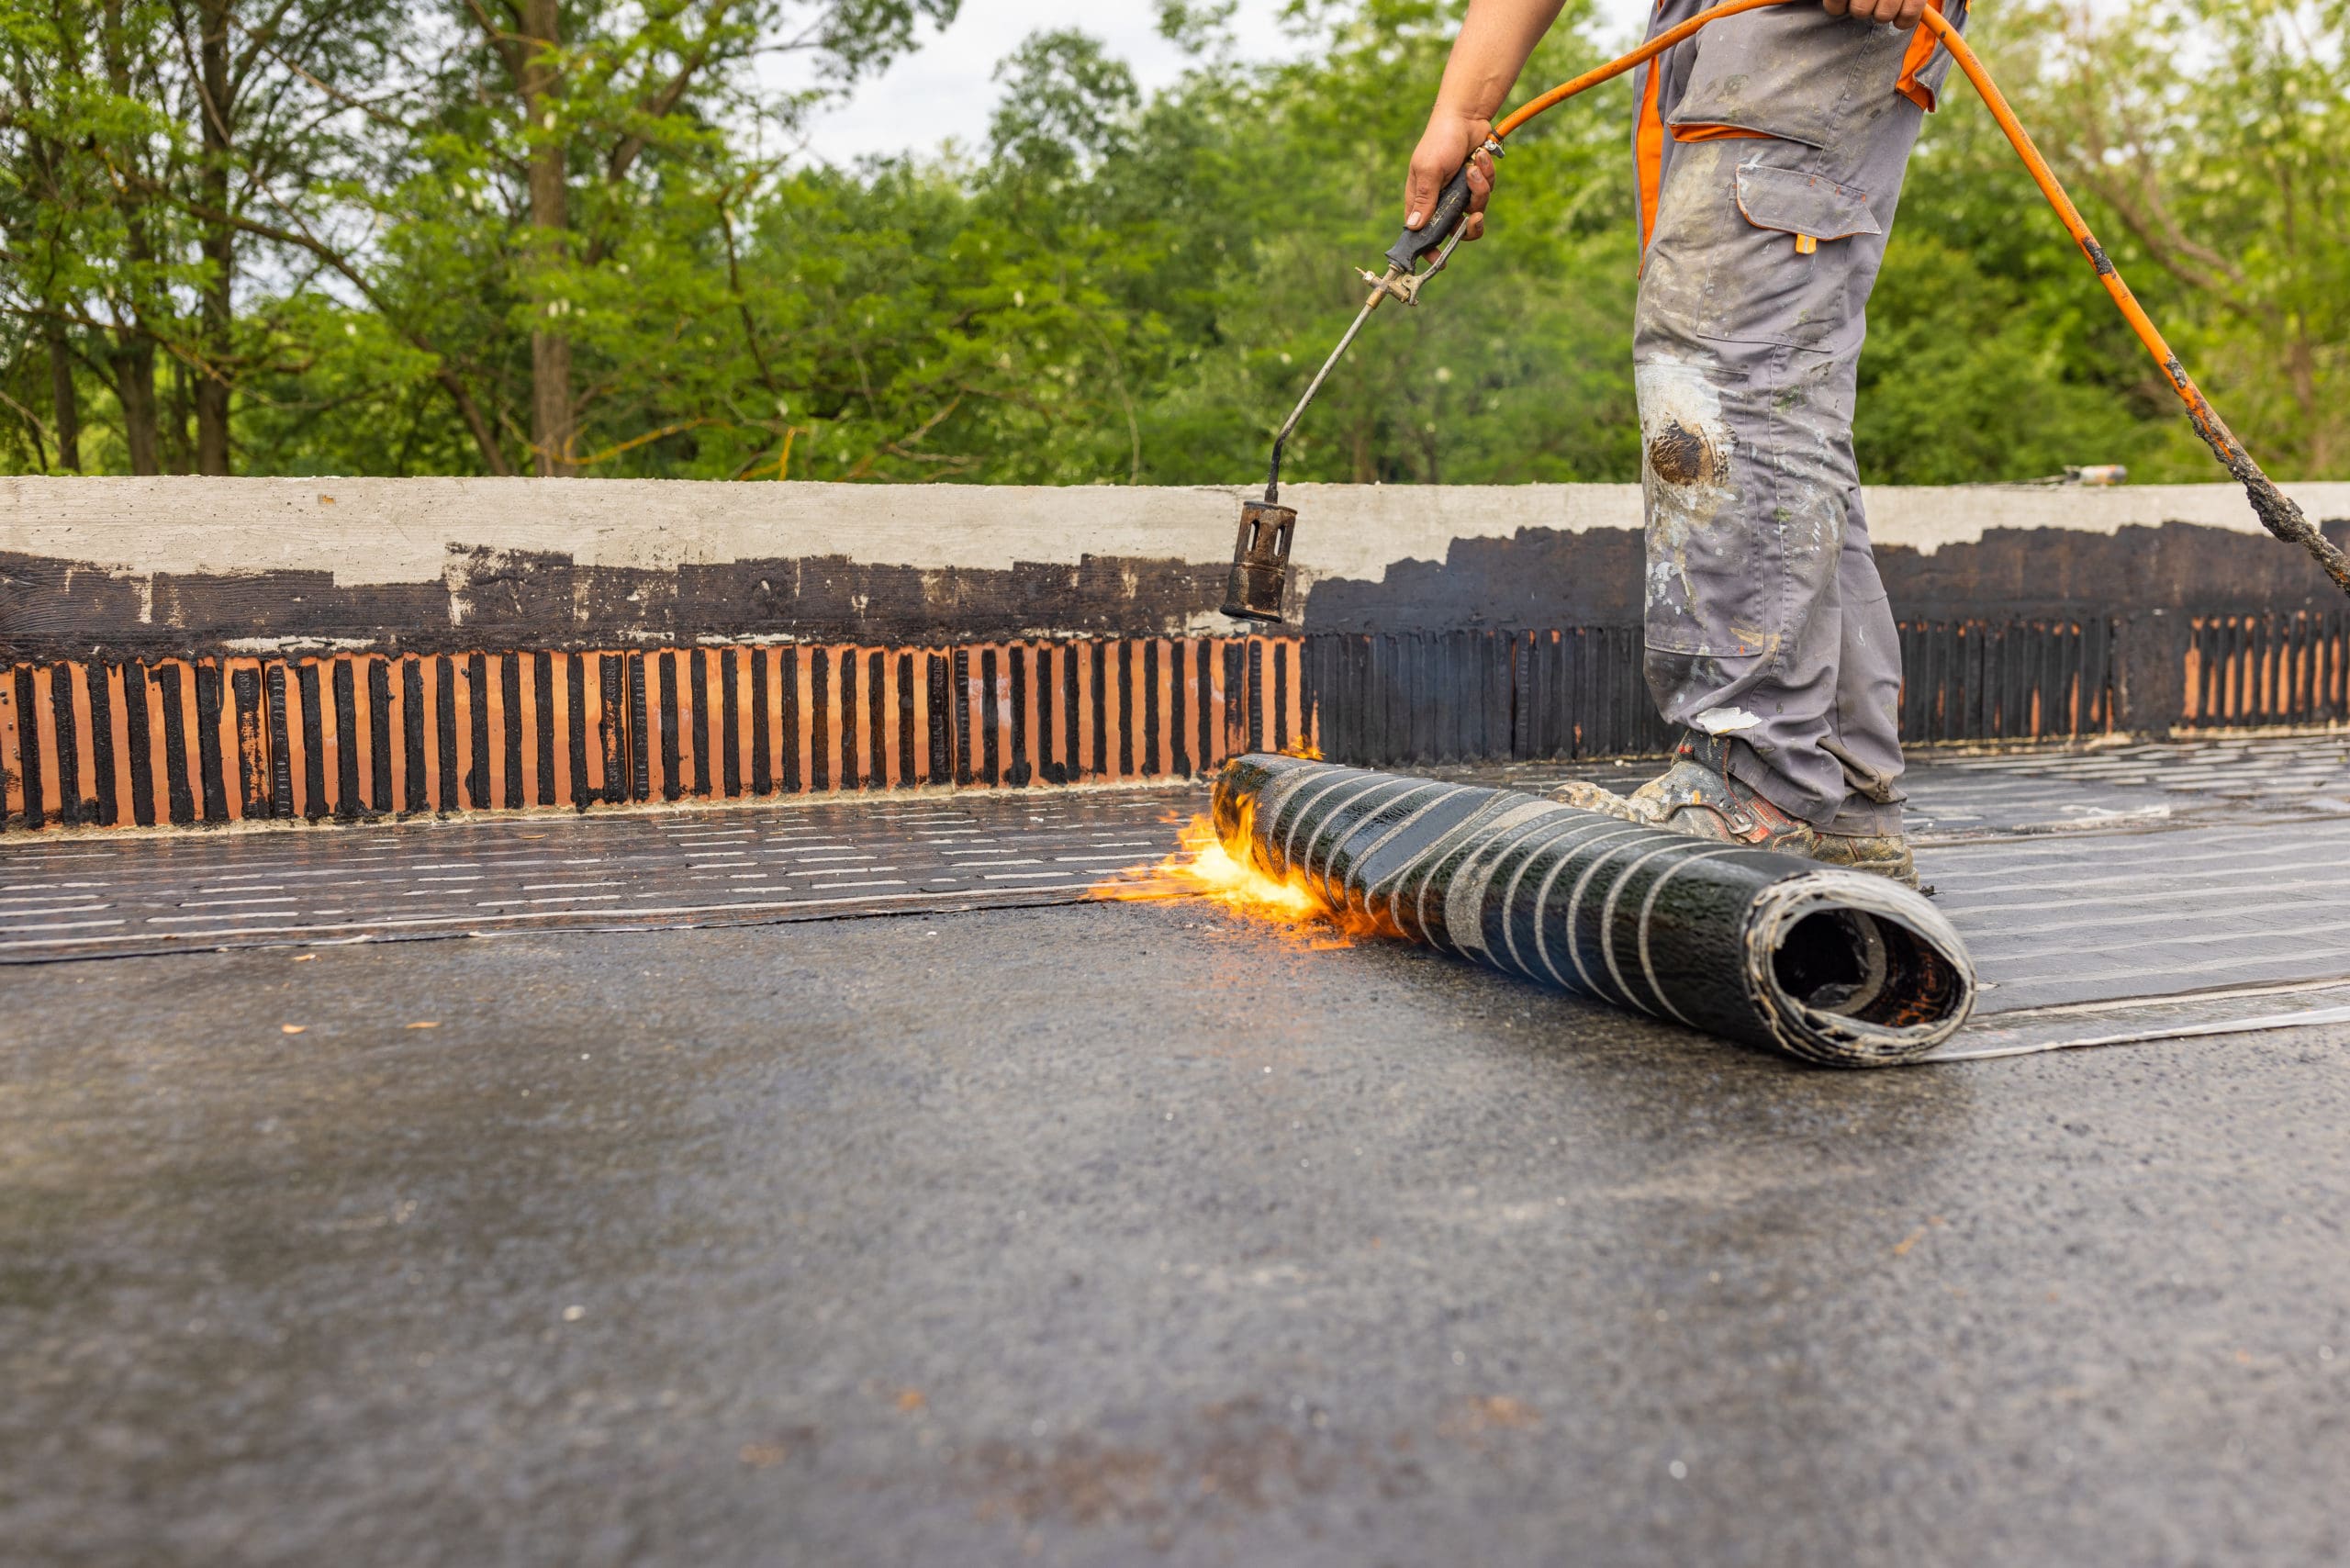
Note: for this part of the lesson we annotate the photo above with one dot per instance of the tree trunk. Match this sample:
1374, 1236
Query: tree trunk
174, 406
65, 403
134, 375
550, 415
2301, 375
134, 348
216, 337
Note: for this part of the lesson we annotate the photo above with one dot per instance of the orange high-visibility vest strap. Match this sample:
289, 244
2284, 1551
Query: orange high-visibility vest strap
1719, 133
1649, 154
1922, 44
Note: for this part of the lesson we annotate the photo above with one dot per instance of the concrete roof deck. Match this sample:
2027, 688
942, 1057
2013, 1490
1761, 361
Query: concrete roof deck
1129, 1232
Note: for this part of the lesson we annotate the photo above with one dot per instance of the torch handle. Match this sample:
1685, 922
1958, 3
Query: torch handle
1451, 207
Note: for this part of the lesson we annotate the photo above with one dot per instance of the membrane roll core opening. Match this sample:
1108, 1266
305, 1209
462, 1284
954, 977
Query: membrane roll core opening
1868, 967
1833, 961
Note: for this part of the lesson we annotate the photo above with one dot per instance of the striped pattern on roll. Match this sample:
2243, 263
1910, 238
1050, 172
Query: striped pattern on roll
1829, 966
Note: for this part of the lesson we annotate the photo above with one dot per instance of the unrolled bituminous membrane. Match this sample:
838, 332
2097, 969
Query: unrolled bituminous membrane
1827, 965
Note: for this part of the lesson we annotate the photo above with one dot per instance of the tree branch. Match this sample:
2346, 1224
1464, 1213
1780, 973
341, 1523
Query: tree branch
459, 393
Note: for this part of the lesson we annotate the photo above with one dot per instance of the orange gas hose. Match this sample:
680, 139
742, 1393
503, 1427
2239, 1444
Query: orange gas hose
2276, 512
1614, 68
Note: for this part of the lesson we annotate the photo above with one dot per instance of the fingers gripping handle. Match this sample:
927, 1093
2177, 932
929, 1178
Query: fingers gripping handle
1451, 207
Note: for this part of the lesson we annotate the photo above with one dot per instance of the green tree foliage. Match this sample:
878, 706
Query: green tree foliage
571, 237
1993, 353
168, 167
2212, 131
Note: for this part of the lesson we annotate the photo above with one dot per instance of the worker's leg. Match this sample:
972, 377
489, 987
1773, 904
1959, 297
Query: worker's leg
1773, 150
1754, 544
1867, 725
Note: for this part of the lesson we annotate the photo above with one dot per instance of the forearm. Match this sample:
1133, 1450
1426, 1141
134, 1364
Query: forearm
1496, 39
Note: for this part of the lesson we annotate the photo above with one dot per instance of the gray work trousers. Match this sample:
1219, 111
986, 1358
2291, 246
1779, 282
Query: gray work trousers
1772, 151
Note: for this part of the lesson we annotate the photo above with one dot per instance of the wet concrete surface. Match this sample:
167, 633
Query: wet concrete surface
1127, 1234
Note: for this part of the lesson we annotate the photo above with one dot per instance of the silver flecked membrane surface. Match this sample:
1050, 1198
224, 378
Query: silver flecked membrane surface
2107, 894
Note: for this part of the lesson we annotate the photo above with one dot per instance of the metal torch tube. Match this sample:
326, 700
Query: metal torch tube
1273, 475
1831, 966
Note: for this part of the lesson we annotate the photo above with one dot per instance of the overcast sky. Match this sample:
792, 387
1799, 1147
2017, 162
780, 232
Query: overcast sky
944, 88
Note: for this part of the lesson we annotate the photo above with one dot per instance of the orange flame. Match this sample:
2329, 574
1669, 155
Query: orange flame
1207, 866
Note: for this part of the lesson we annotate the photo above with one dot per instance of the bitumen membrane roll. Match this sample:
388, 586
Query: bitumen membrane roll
1827, 965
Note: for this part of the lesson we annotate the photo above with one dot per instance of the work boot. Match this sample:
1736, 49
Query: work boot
1885, 854
1698, 796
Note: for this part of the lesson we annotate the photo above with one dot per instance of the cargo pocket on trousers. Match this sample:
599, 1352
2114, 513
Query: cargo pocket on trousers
1805, 206
1797, 290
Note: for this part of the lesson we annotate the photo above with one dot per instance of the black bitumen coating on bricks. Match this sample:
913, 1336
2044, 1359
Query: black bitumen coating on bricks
58, 607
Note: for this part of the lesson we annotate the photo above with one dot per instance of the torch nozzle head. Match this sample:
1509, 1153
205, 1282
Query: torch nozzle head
1259, 580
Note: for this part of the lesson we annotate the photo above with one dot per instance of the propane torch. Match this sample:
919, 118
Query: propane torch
1260, 577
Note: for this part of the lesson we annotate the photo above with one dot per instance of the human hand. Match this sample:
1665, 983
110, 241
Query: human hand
1443, 146
1899, 13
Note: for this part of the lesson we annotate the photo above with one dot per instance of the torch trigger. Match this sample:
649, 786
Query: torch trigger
1405, 286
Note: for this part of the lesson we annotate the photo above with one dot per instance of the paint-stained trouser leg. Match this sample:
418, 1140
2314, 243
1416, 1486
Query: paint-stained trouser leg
1766, 620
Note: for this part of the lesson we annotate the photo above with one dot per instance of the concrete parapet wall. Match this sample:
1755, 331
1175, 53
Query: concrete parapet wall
255, 567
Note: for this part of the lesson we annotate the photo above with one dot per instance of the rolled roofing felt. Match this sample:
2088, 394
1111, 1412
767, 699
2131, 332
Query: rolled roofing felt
1829, 965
